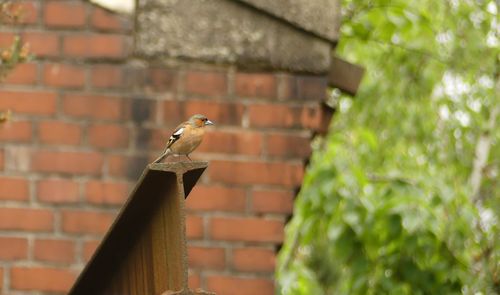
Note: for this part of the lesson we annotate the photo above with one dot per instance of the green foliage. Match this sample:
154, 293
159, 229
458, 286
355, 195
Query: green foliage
9, 57
388, 205
15, 53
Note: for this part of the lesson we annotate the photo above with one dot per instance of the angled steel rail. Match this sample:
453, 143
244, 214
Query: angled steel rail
144, 252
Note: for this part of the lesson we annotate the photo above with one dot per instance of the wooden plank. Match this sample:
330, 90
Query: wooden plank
345, 76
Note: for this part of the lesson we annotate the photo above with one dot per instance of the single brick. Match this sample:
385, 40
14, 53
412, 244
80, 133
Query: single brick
260, 85
26, 219
254, 259
95, 46
29, 12
58, 191
23, 74
316, 117
106, 76
153, 138
194, 227
29, 102
249, 229
86, 222
206, 257
54, 250
65, 14
129, 167
173, 113
305, 88
67, 162
312, 87
161, 79
108, 135
230, 285
251, 173
288, 145
275, 115
101, 192
13, 248
216, 198
42, 44
272, 201
6, 39
46, 279
237, 142
283, 116
118, 165
16, 131
93, 106
59, 133
14, 188
221, 113
64, 75
206, 83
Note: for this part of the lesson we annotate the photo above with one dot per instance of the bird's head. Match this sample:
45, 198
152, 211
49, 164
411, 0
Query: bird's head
200, 120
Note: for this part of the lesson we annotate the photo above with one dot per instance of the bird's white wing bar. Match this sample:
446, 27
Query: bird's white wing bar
178, 132
175, 136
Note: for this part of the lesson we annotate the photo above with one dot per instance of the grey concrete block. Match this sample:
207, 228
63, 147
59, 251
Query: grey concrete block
225, 31
321, 17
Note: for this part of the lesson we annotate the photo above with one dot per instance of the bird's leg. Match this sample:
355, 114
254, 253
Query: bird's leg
187, 155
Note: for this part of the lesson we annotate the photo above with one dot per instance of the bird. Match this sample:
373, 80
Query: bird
186, 137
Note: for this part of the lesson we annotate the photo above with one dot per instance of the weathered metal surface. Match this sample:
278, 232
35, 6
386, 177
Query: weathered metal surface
144, 251
345, 76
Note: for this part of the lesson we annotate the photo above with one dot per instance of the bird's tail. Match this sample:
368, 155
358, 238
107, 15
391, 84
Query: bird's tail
165, 154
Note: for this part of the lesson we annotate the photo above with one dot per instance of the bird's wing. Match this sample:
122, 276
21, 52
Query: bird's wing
176, 135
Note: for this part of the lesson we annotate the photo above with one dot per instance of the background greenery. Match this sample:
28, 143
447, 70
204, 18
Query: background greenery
401, 197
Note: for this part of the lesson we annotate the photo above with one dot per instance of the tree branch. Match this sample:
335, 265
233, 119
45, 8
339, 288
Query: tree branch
484, 143
481, 155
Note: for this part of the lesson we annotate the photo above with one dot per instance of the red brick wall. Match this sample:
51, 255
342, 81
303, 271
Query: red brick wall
87, 119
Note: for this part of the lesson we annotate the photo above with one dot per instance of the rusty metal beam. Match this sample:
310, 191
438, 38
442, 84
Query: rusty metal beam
345, 76
144, 251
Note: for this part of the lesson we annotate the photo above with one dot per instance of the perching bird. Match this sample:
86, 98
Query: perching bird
186, 137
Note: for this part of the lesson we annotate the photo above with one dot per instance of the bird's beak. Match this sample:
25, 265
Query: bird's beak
208, 122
